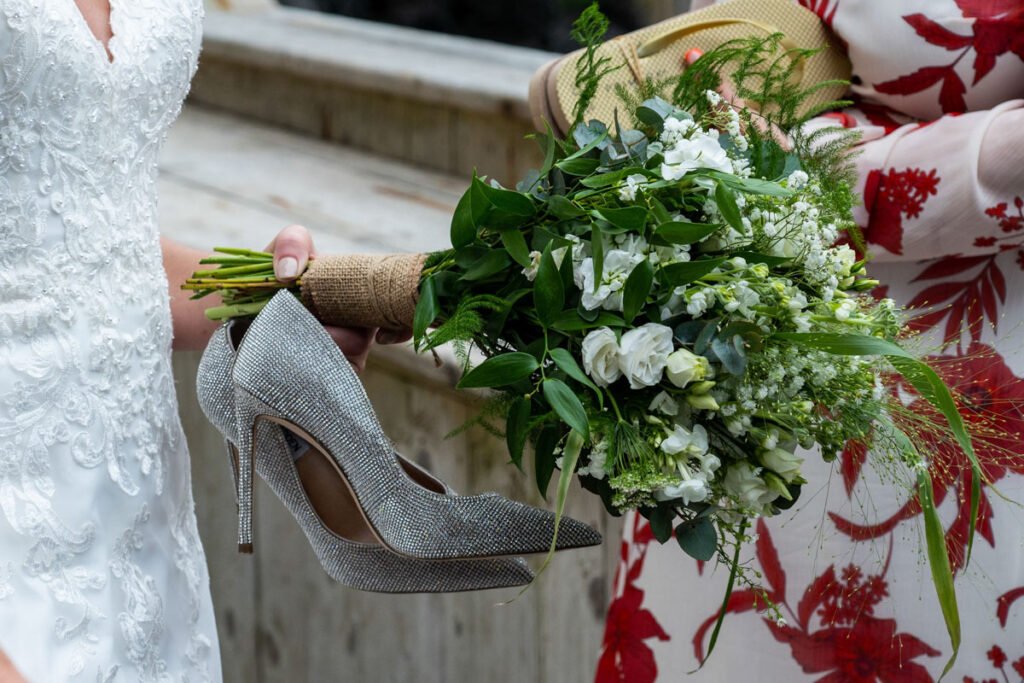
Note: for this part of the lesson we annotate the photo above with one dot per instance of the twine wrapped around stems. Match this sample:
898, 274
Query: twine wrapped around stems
364, 290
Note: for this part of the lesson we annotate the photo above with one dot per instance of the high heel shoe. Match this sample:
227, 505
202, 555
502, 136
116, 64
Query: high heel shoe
289, 371
305, 482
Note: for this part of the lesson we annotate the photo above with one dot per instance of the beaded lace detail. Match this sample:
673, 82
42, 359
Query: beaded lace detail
102, 566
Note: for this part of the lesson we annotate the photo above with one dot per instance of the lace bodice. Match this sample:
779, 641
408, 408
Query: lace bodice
101, 571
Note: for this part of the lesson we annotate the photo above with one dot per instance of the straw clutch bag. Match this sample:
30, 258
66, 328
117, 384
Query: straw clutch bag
657, 52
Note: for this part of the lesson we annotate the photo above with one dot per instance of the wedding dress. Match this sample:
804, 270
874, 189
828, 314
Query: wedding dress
102, 575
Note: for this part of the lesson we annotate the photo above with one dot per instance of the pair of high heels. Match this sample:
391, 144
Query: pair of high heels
292, 410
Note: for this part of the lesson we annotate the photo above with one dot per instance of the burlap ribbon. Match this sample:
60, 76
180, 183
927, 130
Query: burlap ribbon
360, 290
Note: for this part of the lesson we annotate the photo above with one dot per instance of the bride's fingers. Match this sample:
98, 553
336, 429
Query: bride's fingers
8, 674
730, 98
354, 342
393, 336
292, 248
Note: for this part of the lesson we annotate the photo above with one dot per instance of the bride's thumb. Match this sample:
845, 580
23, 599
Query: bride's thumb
292, 248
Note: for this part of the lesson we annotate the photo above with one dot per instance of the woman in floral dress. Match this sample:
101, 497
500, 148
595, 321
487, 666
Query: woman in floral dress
938, 86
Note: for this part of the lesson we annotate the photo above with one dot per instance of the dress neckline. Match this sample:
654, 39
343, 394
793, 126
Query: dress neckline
105, 50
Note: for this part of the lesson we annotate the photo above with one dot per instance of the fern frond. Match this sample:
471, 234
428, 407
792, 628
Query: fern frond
465, 323
588, 31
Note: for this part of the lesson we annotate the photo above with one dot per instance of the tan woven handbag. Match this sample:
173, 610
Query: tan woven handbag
657, 52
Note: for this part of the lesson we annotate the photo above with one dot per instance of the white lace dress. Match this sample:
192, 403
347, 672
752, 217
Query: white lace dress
102, 575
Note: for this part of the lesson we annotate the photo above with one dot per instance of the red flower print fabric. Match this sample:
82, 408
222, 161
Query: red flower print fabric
939, 93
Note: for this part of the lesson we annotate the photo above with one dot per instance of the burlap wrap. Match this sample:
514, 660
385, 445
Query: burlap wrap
359, 290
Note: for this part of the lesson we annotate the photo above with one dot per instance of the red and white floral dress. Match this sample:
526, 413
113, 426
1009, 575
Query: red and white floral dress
940, 92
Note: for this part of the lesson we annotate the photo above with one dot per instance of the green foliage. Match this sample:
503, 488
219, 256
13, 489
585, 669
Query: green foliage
465, 322
588, 31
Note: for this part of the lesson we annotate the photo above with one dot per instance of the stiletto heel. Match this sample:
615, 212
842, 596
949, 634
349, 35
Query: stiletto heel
245, 471
289, 370
315, 496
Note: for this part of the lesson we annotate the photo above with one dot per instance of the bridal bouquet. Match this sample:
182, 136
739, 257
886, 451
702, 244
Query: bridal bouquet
670, 310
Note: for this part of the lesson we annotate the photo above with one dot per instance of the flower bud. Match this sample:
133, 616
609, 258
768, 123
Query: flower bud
701, 387
775, 483
685, 367
702, 402
782, 462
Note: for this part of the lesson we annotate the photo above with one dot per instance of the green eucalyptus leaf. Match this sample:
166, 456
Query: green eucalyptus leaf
698, 538
566, 405
500, 371
703, 340
661, 523
731, 352
636, 289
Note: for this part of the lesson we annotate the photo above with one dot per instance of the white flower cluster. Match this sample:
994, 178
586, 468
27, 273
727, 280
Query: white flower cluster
642, 356
694, 465
687, 147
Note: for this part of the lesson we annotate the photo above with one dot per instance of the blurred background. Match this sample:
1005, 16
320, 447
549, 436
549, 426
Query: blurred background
530, 23
363, 120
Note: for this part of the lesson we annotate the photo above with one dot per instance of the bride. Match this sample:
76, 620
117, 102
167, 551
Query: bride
102, 574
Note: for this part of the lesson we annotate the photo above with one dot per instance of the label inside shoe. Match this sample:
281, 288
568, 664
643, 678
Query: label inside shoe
297, 446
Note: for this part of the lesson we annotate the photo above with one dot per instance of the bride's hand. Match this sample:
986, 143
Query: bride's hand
292, 248
8, 674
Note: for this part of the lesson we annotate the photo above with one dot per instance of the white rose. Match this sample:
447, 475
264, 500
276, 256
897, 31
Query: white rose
643, 354
601, 356
782, 462
701, 151
743, 483
685, 367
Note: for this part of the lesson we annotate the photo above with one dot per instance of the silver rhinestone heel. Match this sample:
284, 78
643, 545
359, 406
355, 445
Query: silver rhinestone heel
289, 371
358, 560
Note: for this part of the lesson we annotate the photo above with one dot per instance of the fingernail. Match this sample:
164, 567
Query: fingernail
692, 55
287, 268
